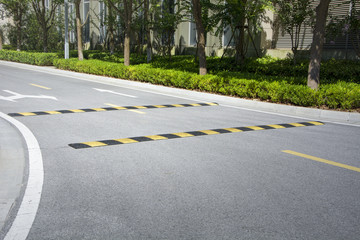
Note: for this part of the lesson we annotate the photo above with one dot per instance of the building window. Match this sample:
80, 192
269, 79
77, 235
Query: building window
87, 23
192, 34
102, 26
227, 37
168, 6
72, 22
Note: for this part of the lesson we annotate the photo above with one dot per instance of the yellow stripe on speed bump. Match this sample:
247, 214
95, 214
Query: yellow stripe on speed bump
23, 114
188, 134
322, 160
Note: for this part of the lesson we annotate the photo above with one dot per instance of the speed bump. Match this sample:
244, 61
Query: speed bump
23, 114
110, 142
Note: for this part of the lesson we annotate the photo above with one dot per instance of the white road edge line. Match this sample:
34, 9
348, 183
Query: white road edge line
25, 217
170, 95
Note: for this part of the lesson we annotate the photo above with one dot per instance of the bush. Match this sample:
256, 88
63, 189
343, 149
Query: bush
41, 59
341, 95
277, 89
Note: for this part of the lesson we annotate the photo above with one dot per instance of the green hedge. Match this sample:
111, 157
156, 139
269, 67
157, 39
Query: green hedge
292, 90
332, 71
34, 58
340, 95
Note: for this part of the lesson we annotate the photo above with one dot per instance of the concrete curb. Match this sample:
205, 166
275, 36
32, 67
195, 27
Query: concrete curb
351, 118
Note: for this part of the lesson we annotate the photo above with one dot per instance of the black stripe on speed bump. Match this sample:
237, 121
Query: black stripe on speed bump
22, 114
103, 143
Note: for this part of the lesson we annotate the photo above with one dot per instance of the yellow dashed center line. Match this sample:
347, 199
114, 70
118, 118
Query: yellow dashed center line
356, 169
39, 86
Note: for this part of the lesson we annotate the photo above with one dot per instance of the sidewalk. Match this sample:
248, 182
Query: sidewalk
12, 166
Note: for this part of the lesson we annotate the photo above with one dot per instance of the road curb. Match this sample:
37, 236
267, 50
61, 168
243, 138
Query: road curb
351, 118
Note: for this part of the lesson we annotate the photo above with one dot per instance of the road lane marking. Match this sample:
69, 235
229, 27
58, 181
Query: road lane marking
135, 111
356, 169
22, 114
25, 217
110, 142
16, 96
113, 92
39, 86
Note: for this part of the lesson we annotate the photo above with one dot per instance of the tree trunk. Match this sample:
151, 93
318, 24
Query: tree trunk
18, 37
45, 39
201, 36
127, 47
1, 40
18, 29
148, 37
240, 42
317, 44
128, 15
79, 30
169, 45
111, 31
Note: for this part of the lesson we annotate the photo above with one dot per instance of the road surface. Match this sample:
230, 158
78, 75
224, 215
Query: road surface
125, 163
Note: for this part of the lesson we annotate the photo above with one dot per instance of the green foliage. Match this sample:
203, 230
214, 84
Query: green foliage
34, 58
277, 89
292, 15
348, 24
341, 95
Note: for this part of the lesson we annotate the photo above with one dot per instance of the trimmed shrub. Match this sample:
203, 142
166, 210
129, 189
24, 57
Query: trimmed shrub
34, 58
341, 95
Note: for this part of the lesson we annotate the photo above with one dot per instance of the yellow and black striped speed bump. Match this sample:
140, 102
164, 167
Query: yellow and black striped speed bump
22, 114
103, 143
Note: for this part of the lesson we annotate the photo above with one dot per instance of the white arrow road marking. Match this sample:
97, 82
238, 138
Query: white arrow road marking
16, 96
109, 91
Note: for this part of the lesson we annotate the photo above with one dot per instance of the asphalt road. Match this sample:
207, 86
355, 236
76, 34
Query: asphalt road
239, 185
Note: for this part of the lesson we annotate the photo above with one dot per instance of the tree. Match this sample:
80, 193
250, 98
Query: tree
167, 16
239, 16
317, 44
1, 38
125, 11
45, 16
16, 9
197, 12
147, 30
111, 22
79, 26
347, 25
293, 14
